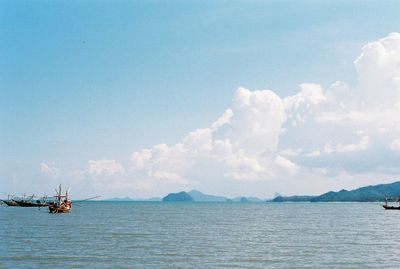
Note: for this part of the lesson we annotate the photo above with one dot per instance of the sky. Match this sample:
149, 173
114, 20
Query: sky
142, 98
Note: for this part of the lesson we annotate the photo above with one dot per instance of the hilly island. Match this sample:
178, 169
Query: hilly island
373, 193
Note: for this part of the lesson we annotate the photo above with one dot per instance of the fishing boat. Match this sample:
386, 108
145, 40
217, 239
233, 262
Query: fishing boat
391, 207
10, 201
32, 203
36, 203
62, 204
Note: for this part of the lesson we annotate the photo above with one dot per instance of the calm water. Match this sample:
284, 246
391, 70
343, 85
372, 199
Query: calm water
202, 235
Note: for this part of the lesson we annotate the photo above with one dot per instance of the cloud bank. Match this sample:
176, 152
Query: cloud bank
319, 138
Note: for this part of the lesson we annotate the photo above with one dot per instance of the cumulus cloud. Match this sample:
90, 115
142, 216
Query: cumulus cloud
304, 104
378, 69
265, 137
257, 120
49, 169
237, 146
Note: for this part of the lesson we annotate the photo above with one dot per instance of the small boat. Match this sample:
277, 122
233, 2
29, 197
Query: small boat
391, 207
30, 202
36, 203
62, 203
10, 201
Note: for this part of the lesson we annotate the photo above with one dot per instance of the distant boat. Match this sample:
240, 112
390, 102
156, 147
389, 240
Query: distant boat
391, 207
388, 207
36, 203
10, 201
62, 203
41, 202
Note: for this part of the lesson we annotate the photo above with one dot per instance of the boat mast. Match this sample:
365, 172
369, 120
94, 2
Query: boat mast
59, 195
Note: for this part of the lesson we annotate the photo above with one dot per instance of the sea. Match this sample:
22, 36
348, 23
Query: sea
201, 235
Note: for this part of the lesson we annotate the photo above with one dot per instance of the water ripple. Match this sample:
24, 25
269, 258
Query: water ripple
202, 235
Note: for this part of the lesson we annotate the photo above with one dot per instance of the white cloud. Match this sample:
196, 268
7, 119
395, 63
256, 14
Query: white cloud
378, 69
224, 119
342, 148
50, 170
287, 165
199, 140
257, 121
310, 95
303, 105
105, 167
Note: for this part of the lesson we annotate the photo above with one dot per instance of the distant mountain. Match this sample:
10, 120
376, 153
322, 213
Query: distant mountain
127, 199
201, 197
295, 198
198, 196
178, 197
242, 199
363, 194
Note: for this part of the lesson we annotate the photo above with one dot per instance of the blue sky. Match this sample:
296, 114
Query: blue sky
87, 80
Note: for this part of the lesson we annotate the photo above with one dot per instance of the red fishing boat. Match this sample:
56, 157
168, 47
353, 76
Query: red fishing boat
62, 204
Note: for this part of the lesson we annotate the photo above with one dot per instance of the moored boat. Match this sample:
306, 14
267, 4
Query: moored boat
391, 207
62, 208
36, 203
62, 203
10, 202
